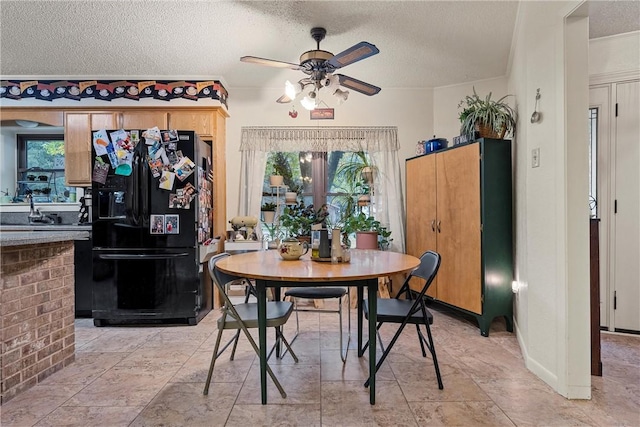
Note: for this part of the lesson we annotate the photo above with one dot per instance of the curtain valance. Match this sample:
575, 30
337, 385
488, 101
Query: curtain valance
320, 139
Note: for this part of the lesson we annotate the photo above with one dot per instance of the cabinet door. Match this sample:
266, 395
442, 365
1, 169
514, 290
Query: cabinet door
77, 149
144, 120
77, 144
458, 213
103, 121
199, 121
421, 211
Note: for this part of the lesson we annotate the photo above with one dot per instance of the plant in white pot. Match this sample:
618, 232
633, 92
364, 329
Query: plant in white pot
268, 210
488, 117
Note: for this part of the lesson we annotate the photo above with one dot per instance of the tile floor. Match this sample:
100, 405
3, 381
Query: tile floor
132, 376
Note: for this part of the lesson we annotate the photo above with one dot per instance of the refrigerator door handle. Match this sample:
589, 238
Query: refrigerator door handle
143, 256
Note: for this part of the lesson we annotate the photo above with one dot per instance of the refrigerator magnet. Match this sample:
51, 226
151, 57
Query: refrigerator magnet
166, 180
157, 224
184, 168
172, 224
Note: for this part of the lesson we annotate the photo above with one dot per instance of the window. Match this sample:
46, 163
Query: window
593, 161
320, 178
41, 168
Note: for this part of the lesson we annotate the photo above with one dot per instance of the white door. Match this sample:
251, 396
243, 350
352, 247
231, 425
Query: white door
600, 100
626, 217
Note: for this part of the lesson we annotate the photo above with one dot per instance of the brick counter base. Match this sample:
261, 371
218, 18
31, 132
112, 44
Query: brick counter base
36, 314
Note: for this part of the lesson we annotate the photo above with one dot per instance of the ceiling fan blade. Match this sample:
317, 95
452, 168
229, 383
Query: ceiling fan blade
358, 85
355, 53
284, 99
270, 62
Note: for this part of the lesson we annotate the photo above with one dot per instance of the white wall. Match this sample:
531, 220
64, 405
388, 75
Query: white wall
408, 109
614, 54
552, 263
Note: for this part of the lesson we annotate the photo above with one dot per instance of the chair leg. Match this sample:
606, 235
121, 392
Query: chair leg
386, 352
295, 310
269, 371
344, 351
288, 346
420, 338
235, 344
432, 349
213, 361
379, 339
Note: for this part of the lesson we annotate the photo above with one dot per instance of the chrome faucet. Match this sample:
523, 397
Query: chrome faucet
34, 214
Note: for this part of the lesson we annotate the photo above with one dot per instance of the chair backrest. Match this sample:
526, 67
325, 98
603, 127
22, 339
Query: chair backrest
220, 279
427, 270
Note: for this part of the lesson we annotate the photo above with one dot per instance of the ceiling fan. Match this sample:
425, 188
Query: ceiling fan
320, 65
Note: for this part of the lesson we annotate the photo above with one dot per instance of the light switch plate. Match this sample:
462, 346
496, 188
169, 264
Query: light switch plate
535, 158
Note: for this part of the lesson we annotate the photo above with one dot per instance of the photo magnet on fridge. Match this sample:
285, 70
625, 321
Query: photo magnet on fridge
157, 224
172, 224
166, 180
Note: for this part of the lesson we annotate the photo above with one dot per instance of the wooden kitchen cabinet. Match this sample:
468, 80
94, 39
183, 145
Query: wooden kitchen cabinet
77, 143
459, 204
144, 119
202, 122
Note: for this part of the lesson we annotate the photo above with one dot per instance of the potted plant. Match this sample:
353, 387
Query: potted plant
365, 229
296, 220
273, 230
488, 117
268, 210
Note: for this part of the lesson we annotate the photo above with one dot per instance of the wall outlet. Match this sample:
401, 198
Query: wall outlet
535, 158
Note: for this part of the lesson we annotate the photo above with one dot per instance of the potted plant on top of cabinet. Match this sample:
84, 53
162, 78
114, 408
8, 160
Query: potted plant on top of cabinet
488, 117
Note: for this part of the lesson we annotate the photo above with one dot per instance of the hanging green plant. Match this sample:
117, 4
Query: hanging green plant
488, 117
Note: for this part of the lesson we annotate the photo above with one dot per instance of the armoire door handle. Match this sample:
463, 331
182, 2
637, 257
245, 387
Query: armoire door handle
433, 225
438, 226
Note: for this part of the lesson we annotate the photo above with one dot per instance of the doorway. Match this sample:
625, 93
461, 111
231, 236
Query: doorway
616, 107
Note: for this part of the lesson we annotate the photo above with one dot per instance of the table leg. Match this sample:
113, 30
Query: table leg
372, 289
360, 311
261, 290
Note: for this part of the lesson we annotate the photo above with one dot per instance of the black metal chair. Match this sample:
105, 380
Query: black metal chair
244, 316
412, 310
322, 293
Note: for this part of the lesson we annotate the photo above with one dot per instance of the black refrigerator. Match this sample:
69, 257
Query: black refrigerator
147, 231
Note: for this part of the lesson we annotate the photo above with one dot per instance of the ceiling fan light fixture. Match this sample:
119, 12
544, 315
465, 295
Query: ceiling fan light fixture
342, 95
292, 89
331, 83
308, 102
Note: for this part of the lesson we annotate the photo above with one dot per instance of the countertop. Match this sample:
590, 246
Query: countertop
17, 238
45, 227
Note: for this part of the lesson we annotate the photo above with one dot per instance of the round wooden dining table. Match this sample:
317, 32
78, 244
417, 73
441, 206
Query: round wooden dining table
268, 269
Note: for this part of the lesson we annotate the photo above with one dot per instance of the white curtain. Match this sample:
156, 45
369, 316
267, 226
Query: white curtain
381, 143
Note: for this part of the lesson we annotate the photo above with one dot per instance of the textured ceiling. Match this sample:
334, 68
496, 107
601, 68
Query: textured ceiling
422, 43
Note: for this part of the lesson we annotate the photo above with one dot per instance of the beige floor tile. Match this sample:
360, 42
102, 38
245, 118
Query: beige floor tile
347, 404
459, 414
86, 368
275, 415
82, 416
226, 371
32, 405
301, 383
123, 386
183, 404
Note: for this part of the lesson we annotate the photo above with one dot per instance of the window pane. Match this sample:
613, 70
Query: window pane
41, 168
593, 161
